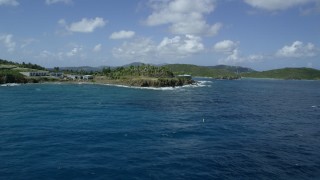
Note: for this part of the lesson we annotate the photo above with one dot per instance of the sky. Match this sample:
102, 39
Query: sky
260, 34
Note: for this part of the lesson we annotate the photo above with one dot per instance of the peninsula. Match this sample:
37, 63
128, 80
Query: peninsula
142, 75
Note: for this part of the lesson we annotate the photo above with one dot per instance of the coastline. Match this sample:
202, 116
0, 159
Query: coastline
196, 84
144, 81
137, 82
279, 79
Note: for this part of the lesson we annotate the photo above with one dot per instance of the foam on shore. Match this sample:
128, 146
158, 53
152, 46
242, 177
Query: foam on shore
10, 84
195, 85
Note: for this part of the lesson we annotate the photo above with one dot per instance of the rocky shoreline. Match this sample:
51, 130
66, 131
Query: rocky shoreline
134, 82
145, 82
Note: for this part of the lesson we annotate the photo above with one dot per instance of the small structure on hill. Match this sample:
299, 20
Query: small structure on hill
186, 76
74, 77
87, 77
57, 74
80, 77
35, 73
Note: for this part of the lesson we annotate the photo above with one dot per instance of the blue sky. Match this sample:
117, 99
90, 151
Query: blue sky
261, 34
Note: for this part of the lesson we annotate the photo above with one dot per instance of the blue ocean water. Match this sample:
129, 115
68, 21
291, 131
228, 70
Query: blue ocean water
244, 129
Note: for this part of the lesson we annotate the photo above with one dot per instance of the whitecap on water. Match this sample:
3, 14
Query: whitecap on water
10, 84
200, 84
135, 87
195, 85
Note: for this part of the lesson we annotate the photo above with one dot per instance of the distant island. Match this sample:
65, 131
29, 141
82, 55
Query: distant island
142, 75
215, 72
287, 74
236, 72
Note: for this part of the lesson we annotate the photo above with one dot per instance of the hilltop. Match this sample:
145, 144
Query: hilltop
235, 69
235, 72
5, 64
140, 74
286, 73
10, 71
217, 72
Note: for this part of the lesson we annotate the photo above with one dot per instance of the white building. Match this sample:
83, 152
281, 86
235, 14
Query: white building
87, 77
74, 77
36, 73
187, 76
56, 74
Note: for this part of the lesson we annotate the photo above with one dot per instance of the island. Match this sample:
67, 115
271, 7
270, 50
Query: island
142, 75
286, 74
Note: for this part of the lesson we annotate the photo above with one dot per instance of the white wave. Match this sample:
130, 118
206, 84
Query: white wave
195, 85
205, 82
10, 84
200, 84
135, 87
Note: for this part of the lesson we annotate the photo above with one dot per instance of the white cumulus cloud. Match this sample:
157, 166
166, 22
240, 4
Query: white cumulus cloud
232, 53
146, 50
9, 2
234, 57
122, 35
272, 5
225, 46
298, 50
139, 49
74, 51
49, 2
45, 54
85, 25
183, 16
71, 54
230, 49
255, 57
7, 41
180, 46
97, 48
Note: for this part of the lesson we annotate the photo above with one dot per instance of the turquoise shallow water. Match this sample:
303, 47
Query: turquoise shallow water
246, 129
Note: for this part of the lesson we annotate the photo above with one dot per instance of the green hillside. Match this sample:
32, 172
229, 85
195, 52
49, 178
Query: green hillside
10, 71
235, 69
4, 64
202, 71
286, 73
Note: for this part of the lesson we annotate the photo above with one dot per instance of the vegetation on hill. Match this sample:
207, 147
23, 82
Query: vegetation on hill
234, 69
76, 70
4, 64
142, 75
286, 73
139, 74
10, 71
11, 76
143, 70
202, 71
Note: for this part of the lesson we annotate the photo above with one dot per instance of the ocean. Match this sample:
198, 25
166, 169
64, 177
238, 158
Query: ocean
219, 129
